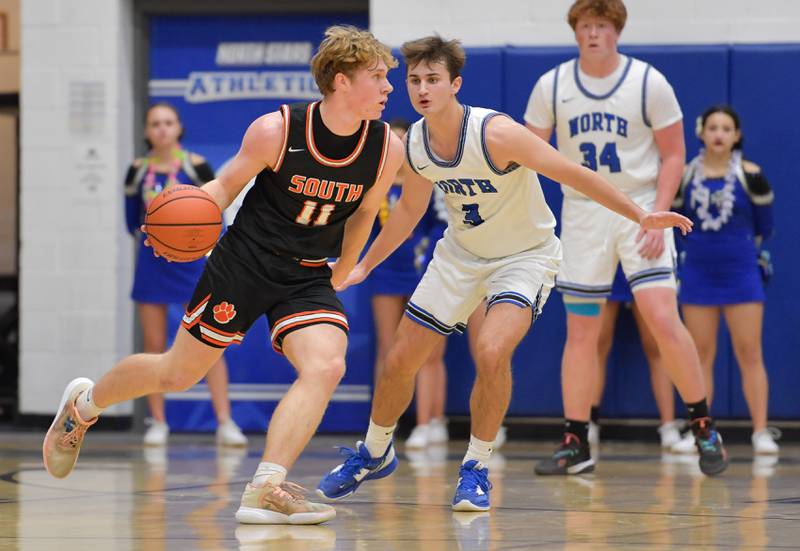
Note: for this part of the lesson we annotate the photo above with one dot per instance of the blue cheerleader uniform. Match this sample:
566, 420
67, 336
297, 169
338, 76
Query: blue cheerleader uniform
155, 280
400, 273
719, 262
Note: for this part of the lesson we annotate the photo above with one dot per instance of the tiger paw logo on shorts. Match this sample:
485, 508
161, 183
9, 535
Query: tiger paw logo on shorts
224, 312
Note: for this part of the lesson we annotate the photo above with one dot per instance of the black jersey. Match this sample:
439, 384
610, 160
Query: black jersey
300, 207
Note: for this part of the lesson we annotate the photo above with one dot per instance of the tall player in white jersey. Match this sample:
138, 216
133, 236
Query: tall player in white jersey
499, 245
619, 117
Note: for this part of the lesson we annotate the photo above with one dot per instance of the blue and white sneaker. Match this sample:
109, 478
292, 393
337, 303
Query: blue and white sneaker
472, 492
359, 467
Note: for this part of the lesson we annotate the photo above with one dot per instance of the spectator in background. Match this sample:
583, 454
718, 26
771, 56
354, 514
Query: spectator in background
730, 202
669, 427
159, 283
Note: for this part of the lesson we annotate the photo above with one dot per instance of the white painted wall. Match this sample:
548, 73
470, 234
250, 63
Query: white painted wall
76, 97
543, 22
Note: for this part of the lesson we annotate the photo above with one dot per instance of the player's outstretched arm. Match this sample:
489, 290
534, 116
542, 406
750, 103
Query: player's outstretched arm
260, 149
405, 215
509, 142
358, 226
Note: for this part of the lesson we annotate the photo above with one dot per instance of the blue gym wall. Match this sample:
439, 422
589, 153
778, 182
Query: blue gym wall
756, 79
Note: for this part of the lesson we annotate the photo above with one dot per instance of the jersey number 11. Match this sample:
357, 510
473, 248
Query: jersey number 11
309, 209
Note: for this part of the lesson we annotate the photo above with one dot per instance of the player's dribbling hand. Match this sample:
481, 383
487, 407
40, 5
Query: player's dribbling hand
143, 229
356, 276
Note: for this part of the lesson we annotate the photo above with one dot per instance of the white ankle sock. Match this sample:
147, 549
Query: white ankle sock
378, 438
478, 450
269, 472
85, 405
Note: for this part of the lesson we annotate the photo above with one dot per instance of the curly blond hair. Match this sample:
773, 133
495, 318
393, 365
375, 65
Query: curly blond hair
345, 49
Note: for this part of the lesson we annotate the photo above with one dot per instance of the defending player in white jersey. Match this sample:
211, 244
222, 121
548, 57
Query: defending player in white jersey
619, 117
499, 245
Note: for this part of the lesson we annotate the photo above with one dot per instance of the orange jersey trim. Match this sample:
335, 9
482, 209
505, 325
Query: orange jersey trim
307, 312
387, 138
322, 159
286, 121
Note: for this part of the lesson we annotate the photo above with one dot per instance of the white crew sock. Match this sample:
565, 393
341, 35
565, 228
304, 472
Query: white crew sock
85, 405
478, 450
269, 472
378, 438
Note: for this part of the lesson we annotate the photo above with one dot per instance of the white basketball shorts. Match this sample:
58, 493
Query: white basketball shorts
595, 239
456, 282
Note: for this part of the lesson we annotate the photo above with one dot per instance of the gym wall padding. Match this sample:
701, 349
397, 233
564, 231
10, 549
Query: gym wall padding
758, 80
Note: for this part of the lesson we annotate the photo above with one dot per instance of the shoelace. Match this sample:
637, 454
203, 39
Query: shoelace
473, 478
290, 490
774, 432
353, 461
75, 433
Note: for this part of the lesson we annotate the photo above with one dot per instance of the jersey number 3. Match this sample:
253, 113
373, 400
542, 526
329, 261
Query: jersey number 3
309, 209
608, 156
471, 215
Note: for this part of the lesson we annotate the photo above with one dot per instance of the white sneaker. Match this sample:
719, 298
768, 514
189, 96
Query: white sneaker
764, 441
594, 433
419, 437
686, 445
500, 439
156, 434
437, 431
670, 434
229, 434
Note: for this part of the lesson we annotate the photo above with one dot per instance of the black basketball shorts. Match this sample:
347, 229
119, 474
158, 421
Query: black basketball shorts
231, 295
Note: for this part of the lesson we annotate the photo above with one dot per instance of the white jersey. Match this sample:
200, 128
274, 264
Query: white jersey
607, 124
491, 212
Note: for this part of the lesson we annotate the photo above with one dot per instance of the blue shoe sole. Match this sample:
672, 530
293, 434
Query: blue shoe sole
383, 473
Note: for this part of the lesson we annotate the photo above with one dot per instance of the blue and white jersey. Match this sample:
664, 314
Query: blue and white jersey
606, 124
492, 212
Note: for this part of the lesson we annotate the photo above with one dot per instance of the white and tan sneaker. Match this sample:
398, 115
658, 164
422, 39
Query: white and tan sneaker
63, 440
284, 504
229, 434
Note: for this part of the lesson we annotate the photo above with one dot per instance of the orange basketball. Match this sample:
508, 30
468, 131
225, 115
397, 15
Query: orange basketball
183, 223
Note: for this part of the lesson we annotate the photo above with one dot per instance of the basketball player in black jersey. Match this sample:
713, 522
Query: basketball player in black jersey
321, 170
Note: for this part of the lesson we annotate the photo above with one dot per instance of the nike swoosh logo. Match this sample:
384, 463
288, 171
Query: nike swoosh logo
565, 100
295, 150
423, 167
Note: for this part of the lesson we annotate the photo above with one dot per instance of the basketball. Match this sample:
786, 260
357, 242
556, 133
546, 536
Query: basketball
183, 223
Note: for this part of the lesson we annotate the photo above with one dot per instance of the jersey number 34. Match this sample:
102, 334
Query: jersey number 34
608, 156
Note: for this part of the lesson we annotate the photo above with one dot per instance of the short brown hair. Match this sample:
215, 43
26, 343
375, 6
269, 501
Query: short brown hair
613, 10
345, 49
435, 49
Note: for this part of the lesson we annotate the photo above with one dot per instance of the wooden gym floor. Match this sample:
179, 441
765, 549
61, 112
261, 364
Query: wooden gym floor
122, 496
